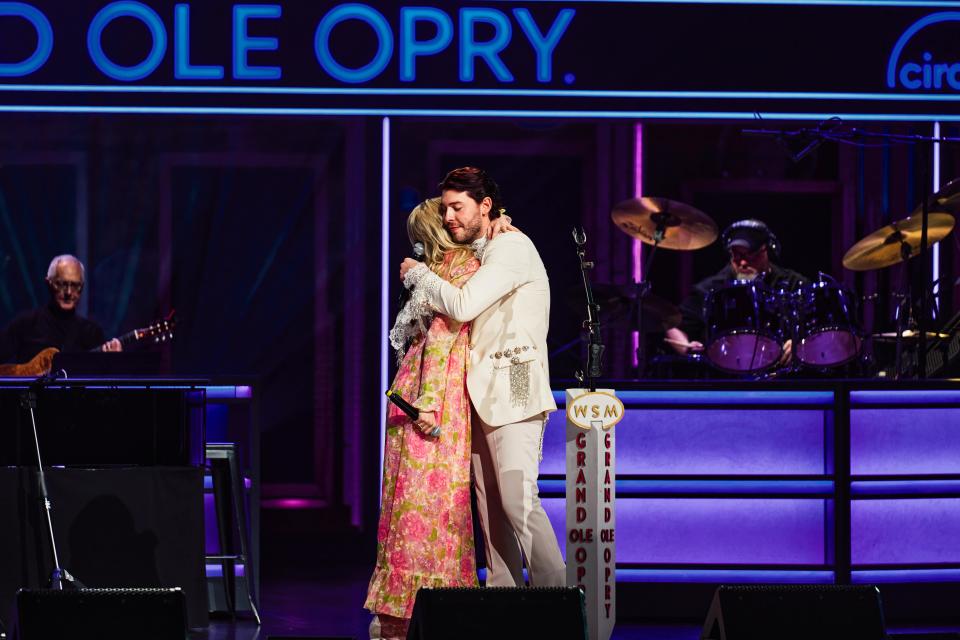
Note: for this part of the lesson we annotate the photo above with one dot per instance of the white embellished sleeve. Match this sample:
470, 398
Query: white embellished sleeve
412, 319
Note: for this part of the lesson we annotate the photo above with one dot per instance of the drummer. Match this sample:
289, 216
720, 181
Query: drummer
752, 247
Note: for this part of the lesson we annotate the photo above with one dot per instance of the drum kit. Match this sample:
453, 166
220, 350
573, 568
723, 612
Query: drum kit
753, 330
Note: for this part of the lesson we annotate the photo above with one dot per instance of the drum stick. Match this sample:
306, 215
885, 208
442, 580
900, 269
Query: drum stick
679, 343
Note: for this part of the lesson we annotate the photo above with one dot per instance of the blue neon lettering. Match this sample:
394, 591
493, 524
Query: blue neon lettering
953, 76
244, 43
410, 47
939, 72
905, 71
369, 15
41, 54
182, 69
489, 50
129, 9
544, 45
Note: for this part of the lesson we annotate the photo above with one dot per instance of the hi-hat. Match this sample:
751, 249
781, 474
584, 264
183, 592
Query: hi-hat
886, 245
683, 227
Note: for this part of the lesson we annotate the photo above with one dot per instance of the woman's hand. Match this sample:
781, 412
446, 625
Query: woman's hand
500, 225
427, 423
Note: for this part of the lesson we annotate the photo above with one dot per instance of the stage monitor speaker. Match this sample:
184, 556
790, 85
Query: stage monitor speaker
794, 612
499, 613
104, 614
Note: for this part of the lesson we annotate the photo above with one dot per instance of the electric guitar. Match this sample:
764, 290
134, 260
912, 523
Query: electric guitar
42, 363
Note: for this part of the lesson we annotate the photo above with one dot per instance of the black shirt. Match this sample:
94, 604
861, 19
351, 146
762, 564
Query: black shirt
49, 326
691, 309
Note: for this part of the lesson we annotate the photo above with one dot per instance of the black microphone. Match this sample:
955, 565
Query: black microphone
403, 405
419, 255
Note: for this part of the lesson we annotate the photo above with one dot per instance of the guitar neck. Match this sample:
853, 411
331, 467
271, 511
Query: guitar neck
125, 339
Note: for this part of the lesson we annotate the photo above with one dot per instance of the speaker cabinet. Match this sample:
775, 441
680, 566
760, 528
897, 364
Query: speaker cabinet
794, 612
105, 614
500, 613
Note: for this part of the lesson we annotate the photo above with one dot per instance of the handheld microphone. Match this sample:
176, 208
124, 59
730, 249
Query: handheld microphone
419, 255
403, 405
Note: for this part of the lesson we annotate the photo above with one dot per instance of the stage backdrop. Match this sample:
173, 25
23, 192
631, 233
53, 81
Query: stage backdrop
856, 59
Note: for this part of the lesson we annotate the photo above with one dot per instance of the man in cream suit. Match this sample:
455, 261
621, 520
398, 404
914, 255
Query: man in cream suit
508, 301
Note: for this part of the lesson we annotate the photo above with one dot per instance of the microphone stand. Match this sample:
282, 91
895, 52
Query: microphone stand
59, 575
595, 345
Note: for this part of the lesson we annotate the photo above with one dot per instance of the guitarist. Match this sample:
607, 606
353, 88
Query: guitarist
56, 324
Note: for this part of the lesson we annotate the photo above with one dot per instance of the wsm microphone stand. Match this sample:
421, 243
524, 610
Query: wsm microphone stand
592, 323
59, 575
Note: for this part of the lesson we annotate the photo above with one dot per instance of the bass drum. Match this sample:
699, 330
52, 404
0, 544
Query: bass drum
744, 332
827, 331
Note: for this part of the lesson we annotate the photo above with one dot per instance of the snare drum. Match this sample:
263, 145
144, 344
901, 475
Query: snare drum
827, 332
744, 329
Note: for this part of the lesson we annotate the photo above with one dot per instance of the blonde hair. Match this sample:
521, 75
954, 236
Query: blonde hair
425, 224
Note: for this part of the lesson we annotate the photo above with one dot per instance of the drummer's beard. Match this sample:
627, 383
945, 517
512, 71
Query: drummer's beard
747, 273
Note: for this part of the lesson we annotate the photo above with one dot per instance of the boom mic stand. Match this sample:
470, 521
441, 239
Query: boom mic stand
59, 575
592, 323
855, 136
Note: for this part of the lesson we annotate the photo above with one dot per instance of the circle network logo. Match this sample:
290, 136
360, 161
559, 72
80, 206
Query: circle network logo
926, 70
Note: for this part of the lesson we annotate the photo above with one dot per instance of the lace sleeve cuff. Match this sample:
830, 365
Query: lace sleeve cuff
425, 284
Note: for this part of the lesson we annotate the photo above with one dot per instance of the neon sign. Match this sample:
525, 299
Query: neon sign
151, 26
928, 73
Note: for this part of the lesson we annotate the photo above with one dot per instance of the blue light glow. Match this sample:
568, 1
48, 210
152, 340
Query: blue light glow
370, 16
490, 50
479, 113
905, 397
739, 576
945, 16
129, 9
886, 576
244, 43
410, 47
544, 44
44, 39
629, 488
182, 69
505, 92
693, 397
904, 487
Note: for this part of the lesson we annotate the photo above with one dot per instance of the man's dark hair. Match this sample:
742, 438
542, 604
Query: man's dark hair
477, 184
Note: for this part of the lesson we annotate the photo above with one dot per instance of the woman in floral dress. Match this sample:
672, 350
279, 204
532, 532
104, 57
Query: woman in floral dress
425, 536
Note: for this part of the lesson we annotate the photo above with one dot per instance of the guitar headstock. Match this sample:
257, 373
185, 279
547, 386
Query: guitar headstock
158, 332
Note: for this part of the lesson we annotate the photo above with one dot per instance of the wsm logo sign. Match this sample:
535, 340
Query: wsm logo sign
919, 60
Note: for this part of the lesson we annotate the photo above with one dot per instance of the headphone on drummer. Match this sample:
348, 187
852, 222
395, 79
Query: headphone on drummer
755, 228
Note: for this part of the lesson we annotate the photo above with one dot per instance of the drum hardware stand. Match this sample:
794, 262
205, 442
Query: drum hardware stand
856, 136
646, 285
592, 323
59, 577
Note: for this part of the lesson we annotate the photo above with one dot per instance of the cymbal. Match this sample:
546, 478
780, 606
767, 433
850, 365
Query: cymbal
908, 334
684, 227
882, 247
947, 199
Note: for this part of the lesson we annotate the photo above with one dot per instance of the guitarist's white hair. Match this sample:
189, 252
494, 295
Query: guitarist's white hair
66, 257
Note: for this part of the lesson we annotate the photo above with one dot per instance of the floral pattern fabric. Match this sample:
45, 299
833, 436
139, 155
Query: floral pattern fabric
425, 535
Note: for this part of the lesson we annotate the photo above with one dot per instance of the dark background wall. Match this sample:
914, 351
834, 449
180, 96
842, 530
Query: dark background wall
264, 234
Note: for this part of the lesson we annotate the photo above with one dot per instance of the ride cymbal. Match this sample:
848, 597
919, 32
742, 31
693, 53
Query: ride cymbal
683, 227
886, 246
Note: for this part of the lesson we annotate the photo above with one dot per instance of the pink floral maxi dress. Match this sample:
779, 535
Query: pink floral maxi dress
425, 536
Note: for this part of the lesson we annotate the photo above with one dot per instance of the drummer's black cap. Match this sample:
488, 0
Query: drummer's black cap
750, 234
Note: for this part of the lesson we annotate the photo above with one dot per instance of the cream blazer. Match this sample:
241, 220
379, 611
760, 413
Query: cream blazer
508, 301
